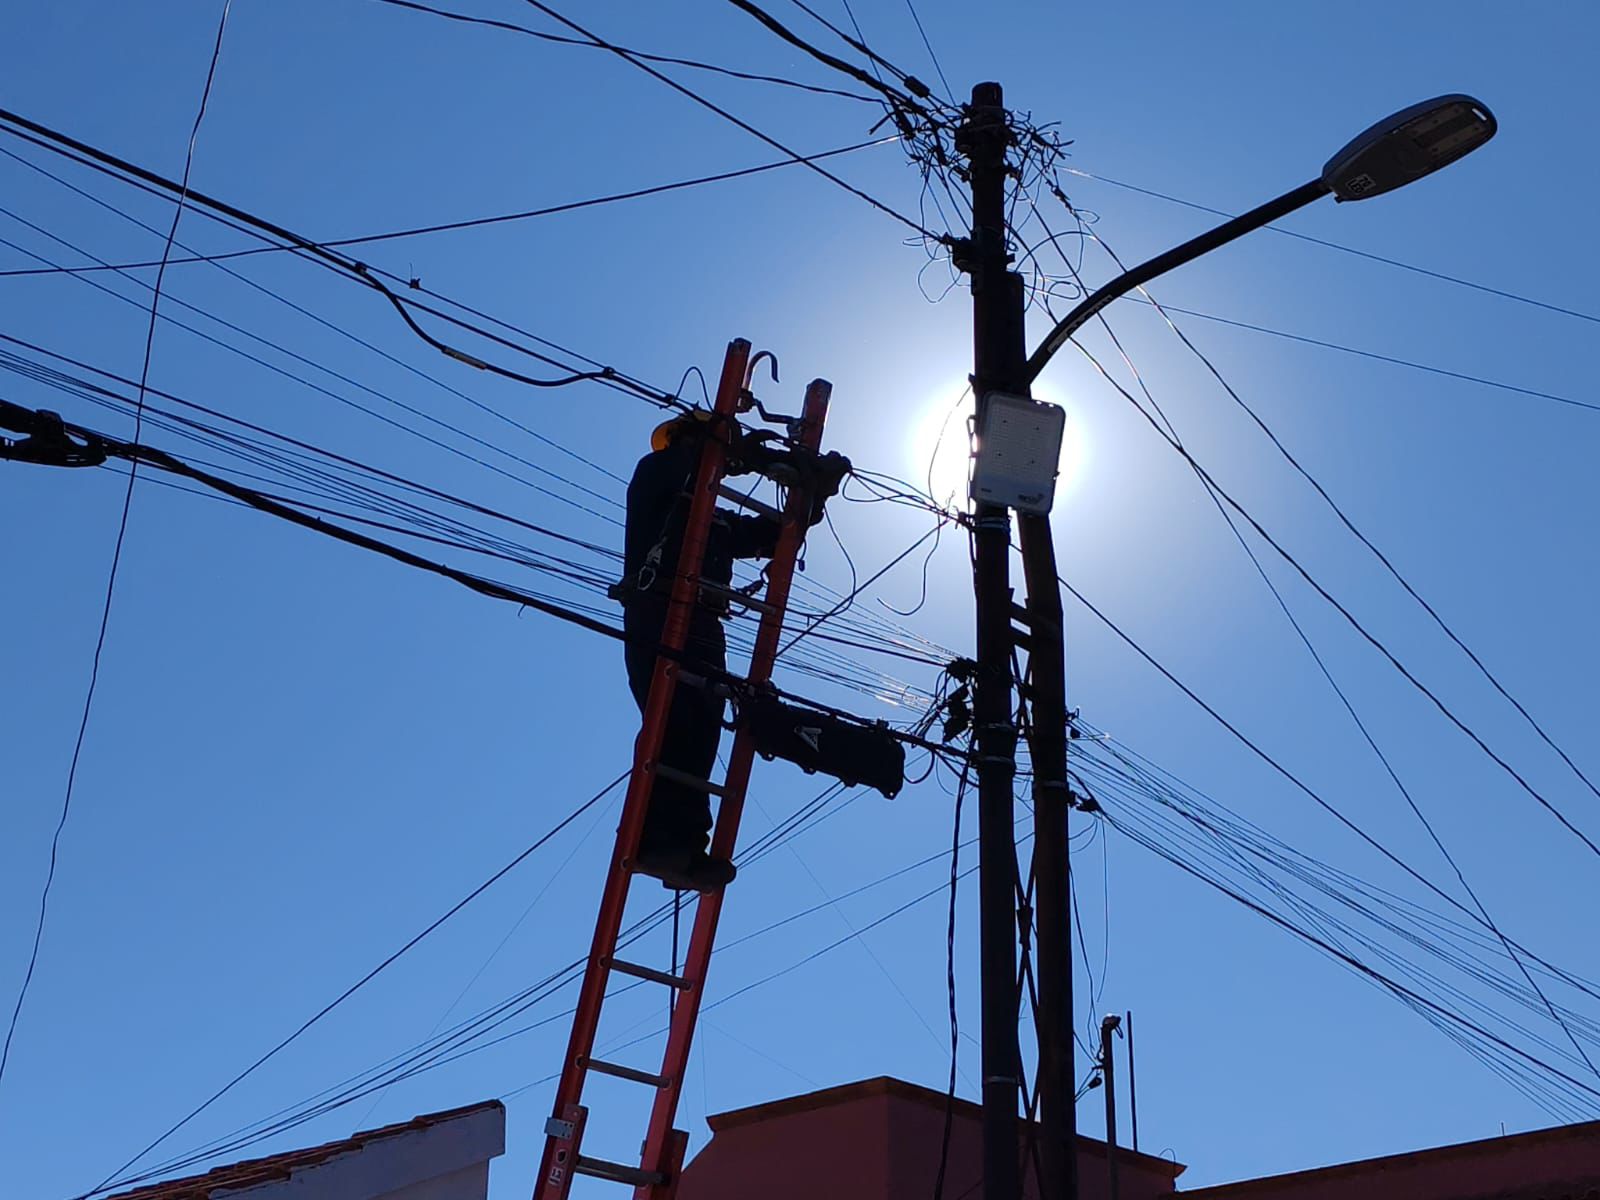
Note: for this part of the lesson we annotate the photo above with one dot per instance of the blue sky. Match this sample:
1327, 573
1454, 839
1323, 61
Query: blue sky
300, 755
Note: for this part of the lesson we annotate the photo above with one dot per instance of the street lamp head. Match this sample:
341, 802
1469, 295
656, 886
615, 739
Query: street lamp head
1407, 145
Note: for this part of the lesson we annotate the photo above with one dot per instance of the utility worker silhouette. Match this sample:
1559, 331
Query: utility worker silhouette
677, 823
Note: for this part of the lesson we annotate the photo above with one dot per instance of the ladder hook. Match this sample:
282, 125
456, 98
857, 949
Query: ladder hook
755, 361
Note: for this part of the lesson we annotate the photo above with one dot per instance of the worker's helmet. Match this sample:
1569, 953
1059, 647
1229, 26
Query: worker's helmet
663, 434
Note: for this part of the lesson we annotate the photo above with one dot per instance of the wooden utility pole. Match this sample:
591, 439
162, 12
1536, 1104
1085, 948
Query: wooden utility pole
1000, 366
999, 353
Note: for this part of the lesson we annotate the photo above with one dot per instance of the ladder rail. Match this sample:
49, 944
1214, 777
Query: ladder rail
560, 1154
660, 1137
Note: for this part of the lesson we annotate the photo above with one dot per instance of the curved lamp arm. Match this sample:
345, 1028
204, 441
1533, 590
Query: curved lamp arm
1162, 263
1400, 149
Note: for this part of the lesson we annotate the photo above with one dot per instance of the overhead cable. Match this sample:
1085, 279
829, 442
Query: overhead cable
474, 222
730, 117
1393, 360
369, 976
665, 60
913, 85
1216, 498
1385, 981
24, 420
1503, 293
468, 1037
1352, 620
1327, 674
116, 553
342, 263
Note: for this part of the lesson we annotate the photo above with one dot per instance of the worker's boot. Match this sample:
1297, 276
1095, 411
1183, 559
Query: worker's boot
684, 869
707, 874
670, 864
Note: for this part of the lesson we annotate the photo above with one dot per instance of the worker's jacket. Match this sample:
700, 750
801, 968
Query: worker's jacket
657, 513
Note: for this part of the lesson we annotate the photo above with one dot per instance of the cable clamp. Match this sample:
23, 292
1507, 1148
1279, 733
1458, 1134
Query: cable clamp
463, 356
1000, 522
48, 442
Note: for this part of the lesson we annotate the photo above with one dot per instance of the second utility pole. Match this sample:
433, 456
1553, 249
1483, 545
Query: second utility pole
999, 353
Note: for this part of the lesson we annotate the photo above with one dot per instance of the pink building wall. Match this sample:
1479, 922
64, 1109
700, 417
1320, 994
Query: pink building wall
875, 1139
879, 1140
1547, 1164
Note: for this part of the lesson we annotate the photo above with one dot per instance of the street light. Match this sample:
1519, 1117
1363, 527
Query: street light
1398, 150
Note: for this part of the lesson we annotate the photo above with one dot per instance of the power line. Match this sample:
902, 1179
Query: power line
911, 83
730, 117
1229, 840
1357, 352
776, 26
116, 553
1364, 540
1436, 931
837, 668
333, 326
70, 147
25, 420
475, 222
256, 226
1322, 665
1503, 293
558, 39
1172, 436
857, 589
340, 460
335, 374
1393, 360
932, 57
1253, 327
439, 1050
1350, 617
950, 986
1398, 989
367, 978
1283, 771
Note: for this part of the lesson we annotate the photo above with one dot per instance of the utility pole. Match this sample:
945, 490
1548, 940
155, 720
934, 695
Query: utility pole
1047, 737
1398, 150
999, 353
1108, 1028
1133, 1087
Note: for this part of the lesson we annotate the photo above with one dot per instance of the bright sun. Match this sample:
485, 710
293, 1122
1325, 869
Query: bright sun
940, 446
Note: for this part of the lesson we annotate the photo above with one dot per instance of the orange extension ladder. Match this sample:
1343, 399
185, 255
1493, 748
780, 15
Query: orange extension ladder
655, 1176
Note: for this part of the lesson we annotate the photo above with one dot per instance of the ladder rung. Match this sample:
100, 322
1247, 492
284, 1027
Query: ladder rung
738, 597
754, 505
650, 973
631, 1073
599, 1168
676, 776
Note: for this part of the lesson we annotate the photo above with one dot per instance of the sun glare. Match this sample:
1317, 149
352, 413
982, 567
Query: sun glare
940, 447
